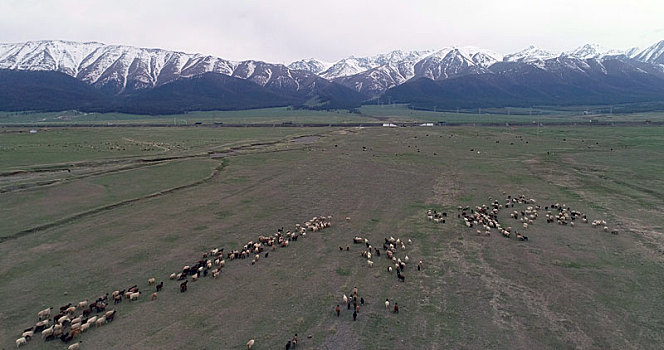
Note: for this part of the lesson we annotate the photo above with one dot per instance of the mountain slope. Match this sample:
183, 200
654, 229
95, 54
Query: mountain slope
46, 91
208, 91
653, 54
564, 81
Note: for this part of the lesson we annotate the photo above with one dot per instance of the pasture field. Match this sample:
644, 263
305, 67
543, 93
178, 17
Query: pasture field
251, 116
397, 113
84, 212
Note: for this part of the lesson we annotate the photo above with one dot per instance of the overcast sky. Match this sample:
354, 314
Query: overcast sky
285, 30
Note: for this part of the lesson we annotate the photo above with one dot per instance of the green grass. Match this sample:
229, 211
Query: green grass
567, 287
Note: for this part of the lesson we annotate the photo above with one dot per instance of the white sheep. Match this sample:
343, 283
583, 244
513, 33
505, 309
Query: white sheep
100, 321
83, 304
28, 334
92, 320
387, 304
250, 343
20, 341
172, 276
371, 263
71, 309
46, 313
74, 346
345, 299
406, 259
46, 332
84, 327
152, 281
134, 296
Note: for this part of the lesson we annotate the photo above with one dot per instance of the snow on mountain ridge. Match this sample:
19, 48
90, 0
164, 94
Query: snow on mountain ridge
653, 54
121, 67
529, 54
310, 65
592, 51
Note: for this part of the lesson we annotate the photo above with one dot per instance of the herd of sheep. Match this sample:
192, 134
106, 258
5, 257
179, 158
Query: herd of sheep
391, 247
74, 319
485, 217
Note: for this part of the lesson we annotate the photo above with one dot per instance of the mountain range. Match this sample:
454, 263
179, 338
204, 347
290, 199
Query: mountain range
52, 75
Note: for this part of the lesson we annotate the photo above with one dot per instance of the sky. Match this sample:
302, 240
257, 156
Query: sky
282, 31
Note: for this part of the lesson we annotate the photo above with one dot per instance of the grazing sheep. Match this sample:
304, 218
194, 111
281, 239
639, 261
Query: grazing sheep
100, 321
20, 341
92, 320
134, 296
371, 263
28, 334
84, 327
338, 310
172, 276
70, 310
83, 304
160, 286
75, 346
153, 297
48, 331
183, 286
152, 281
46, 313
387, 304
389, 269
110, 315
250, 343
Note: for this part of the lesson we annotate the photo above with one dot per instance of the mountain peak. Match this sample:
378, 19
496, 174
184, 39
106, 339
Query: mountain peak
310, 65
653, 54
529, 54
588, 51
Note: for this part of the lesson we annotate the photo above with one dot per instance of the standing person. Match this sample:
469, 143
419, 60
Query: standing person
338, 309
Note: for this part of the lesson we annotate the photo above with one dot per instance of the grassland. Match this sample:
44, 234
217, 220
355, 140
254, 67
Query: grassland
397, 113
564, 288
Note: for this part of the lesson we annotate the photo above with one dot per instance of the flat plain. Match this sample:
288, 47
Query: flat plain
86, 211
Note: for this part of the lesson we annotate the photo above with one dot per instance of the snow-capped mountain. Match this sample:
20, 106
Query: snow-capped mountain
121, 68
399, 67
531, 54
353, 65
587, 51
310, 65
452, 62
653, 54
